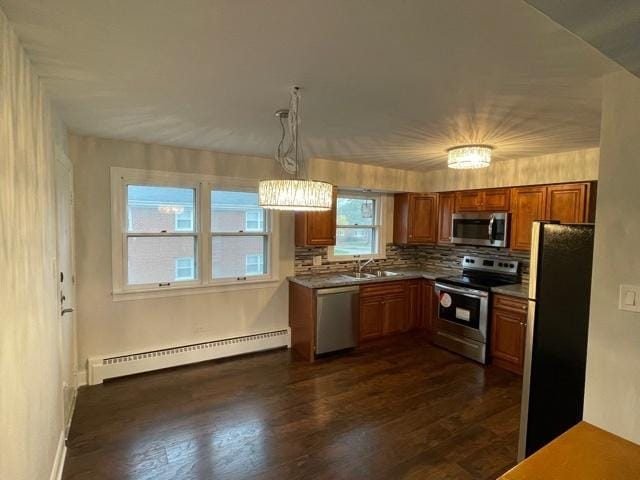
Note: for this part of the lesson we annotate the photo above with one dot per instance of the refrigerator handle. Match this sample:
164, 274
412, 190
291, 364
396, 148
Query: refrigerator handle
526, 380
535, 251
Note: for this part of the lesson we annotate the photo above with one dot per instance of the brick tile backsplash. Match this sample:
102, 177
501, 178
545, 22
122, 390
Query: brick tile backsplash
399, 256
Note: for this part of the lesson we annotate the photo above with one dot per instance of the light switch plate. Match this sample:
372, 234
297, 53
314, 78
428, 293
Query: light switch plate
629, 299
317, 260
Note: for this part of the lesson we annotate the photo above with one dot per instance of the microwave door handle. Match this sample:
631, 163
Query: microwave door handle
491, 229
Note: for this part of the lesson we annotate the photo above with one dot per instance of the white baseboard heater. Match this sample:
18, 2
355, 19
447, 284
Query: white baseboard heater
101, 368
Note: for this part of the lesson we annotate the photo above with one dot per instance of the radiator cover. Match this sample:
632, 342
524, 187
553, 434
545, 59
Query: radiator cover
104, 367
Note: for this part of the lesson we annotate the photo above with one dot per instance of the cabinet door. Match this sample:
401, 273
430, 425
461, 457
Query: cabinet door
496, 200
469, 201
527, 205
422, 218
395, 314
446, 207
414, 307
507, 339
371, 317
429, 306
567, 203
317, 228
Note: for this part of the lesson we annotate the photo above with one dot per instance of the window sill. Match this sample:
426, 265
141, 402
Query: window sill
351, 258
142, 294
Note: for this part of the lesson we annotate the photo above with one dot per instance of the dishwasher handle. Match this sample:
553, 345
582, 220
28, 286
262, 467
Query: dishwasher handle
331, 291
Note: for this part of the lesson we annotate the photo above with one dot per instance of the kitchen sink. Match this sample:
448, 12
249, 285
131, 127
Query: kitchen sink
359, 275
386, 273
376, 274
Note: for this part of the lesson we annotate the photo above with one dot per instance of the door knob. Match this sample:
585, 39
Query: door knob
66, 310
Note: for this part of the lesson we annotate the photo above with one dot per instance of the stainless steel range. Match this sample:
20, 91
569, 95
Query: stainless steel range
463, 309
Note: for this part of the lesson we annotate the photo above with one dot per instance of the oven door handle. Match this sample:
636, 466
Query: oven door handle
463, 291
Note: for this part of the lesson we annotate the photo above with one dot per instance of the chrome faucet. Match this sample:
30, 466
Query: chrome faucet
362, 265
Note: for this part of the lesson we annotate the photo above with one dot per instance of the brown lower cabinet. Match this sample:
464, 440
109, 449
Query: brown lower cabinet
386, 308
508, 332
392, 307
414, 303
383, 309
429, 306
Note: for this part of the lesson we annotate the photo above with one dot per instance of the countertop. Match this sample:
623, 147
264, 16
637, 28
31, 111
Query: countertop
520, 290
584, 452
339, 279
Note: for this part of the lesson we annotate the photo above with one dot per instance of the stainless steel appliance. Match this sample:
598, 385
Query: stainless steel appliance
486, 229
557, 327
337, 312
463, 309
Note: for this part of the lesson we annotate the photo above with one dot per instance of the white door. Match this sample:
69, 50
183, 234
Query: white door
66, 281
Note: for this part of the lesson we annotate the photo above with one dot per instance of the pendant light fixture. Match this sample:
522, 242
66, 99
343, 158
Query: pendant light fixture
469, 156
298, 194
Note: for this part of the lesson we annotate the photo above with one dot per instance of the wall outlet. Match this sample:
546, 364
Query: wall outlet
317, 260
629, 299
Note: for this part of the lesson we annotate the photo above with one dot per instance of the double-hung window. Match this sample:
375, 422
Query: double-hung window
180, 230
239, 235
153, 243
358, 227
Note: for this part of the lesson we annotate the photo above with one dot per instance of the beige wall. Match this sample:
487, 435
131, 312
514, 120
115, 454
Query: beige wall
106, 326
31, 418
557, 168
612, 399
575, 166
359, 176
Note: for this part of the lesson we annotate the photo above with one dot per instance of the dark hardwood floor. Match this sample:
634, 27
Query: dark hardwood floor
398, 408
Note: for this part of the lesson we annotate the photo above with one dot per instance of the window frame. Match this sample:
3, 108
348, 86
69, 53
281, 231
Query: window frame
266, 233
377, 226
126, 234
203, 282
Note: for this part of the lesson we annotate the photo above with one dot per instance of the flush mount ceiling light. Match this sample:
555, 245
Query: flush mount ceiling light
296, 193
469, 156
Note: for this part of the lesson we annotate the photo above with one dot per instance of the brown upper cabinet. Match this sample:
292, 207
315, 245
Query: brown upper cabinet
316, 228
570, 203
415, 217
492, 200
446, 207
528, 205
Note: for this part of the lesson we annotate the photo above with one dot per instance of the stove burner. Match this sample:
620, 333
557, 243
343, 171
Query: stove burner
479, 282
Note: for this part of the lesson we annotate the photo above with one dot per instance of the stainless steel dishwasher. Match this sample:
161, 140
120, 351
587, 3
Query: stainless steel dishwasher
337, 311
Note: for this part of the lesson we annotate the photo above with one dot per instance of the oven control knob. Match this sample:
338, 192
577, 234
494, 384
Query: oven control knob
512, 265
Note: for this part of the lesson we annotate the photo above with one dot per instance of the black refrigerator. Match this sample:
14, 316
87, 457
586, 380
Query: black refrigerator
556, 337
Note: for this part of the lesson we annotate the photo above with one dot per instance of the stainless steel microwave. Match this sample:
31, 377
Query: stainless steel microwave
486, 229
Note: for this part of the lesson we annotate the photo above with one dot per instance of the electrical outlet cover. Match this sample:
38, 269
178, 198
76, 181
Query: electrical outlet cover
629, 299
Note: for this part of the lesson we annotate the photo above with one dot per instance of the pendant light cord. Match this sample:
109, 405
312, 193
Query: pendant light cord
292, 165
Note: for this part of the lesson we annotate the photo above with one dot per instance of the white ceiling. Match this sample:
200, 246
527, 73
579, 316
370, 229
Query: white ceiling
613, 27
391, 82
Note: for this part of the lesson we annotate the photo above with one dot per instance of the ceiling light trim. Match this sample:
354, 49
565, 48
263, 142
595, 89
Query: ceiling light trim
471, 156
